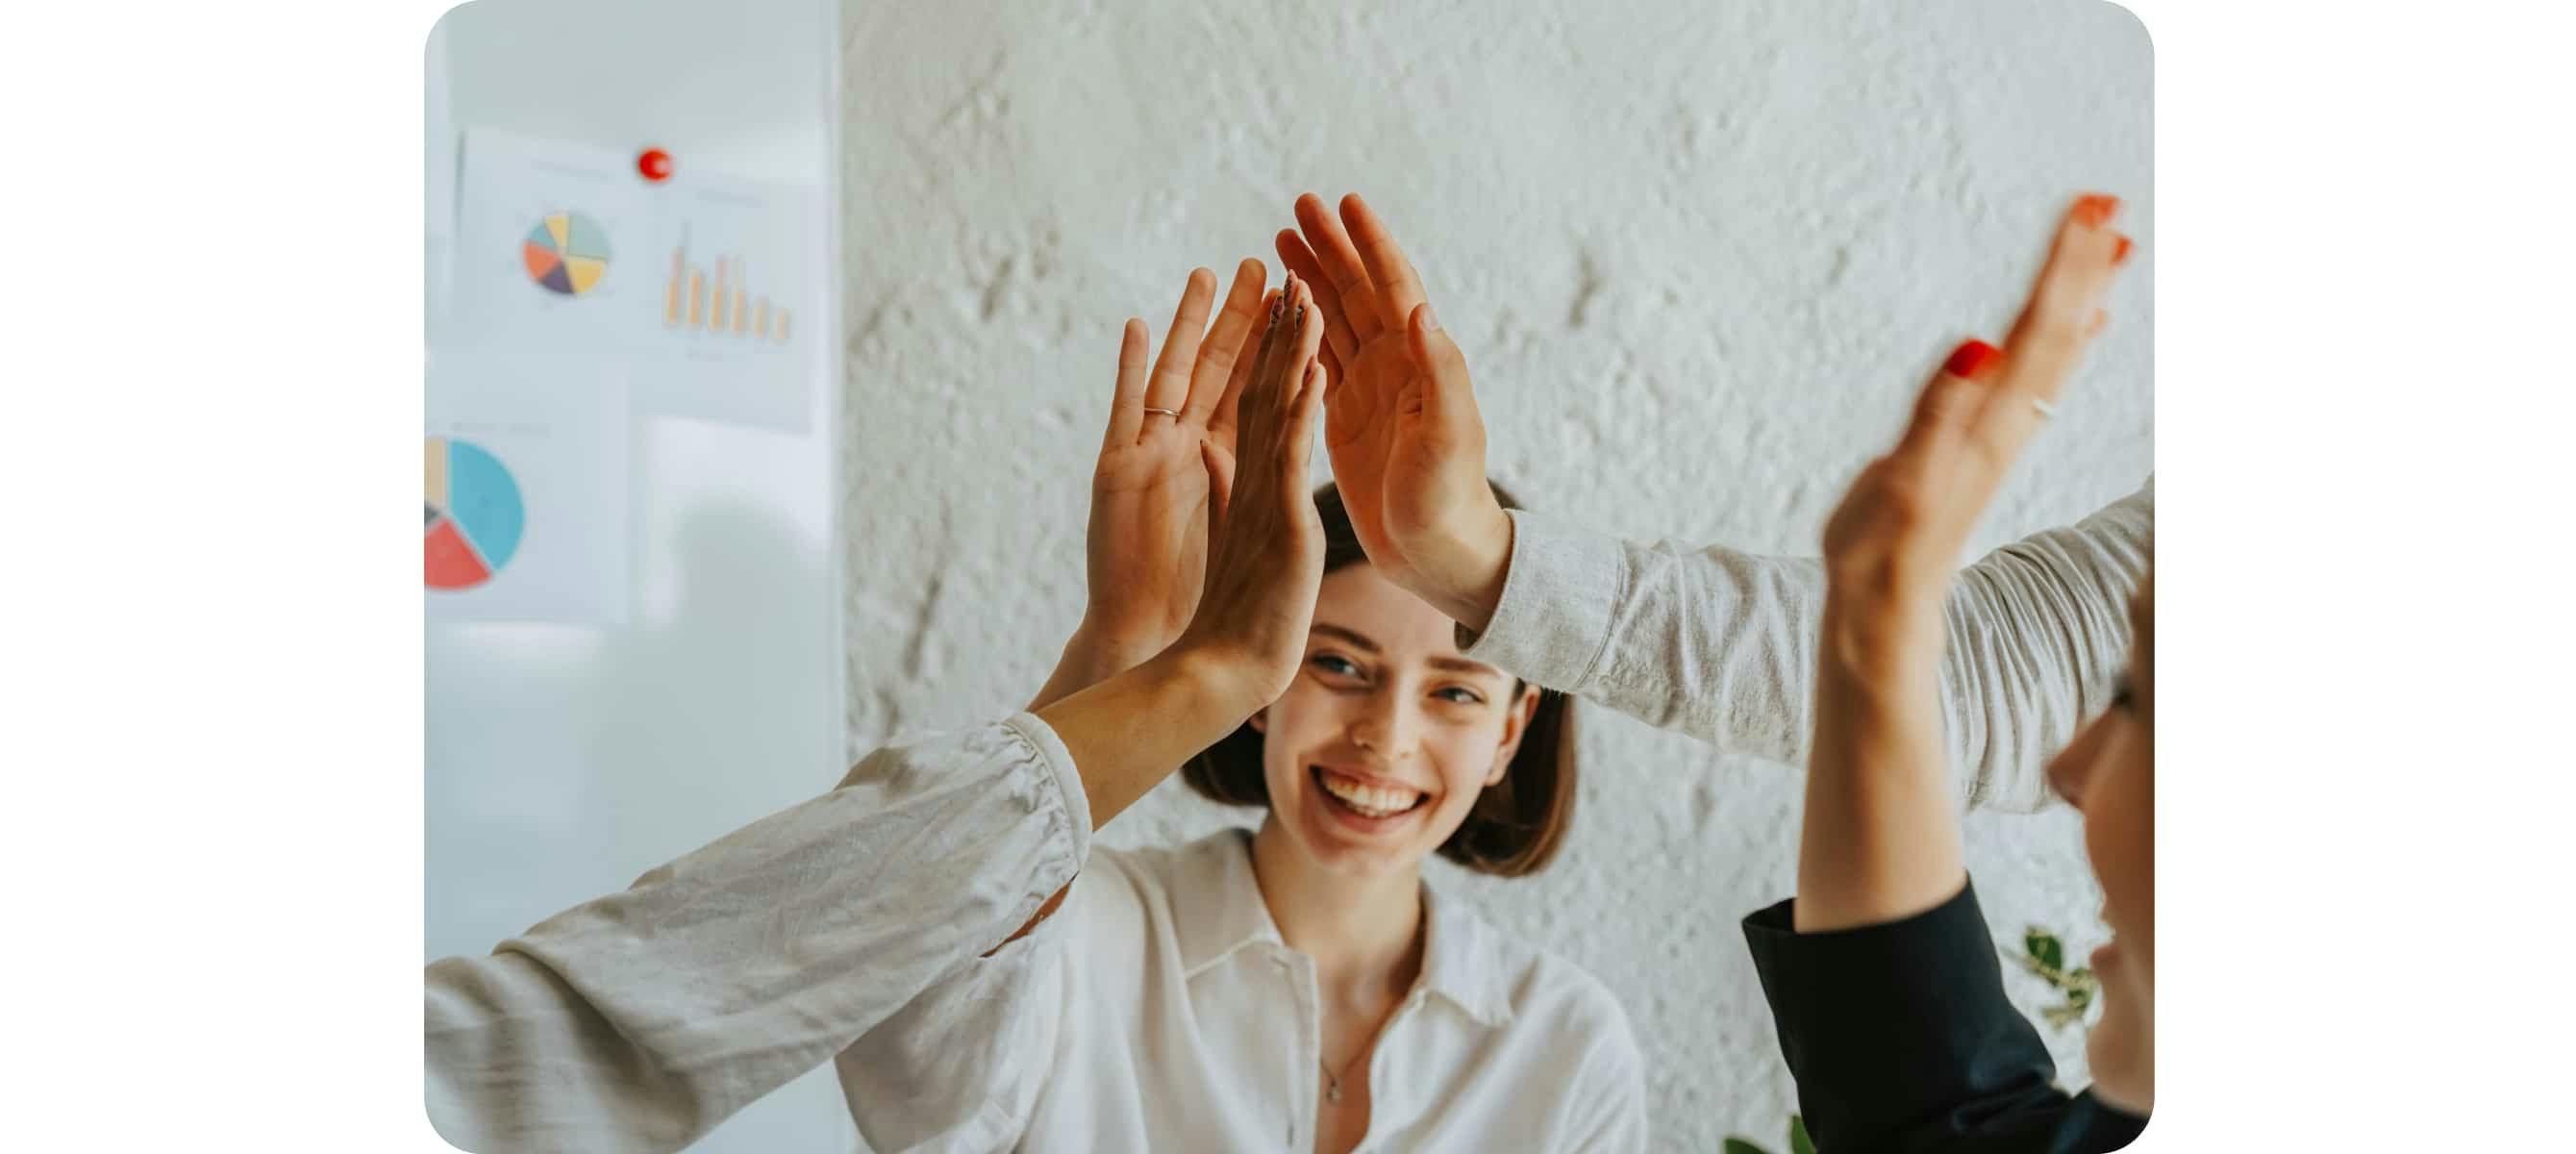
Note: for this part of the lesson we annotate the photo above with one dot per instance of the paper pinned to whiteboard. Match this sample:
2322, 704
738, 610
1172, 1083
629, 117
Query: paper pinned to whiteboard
695, 287
526, 510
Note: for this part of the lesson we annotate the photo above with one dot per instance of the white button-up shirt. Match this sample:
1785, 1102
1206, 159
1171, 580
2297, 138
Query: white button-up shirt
1160, 1010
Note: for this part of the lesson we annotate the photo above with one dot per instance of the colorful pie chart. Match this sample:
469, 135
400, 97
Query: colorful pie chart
473, 514
567, 253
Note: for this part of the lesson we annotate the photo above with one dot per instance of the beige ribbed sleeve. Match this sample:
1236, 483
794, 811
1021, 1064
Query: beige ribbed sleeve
1721, 644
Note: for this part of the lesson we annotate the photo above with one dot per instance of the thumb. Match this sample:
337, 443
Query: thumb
1447, 395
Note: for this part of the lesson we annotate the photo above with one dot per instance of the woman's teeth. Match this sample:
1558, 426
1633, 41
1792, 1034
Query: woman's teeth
1369, 800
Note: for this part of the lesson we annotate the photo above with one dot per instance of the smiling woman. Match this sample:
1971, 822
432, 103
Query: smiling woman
1297, 981
1381, 667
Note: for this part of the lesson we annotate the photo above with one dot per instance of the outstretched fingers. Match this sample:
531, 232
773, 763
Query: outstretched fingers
1339, 343
1271, 401
1247, 356
2056, 325
1213, 376
1127, 401
1170, 387
1341, 267
1994, 399
1398, 290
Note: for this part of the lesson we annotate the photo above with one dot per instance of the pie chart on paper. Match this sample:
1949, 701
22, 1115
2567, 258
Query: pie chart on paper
567, 253
473, 514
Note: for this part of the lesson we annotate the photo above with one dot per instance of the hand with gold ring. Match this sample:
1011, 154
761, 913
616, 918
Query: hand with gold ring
1880, 838
1170, 423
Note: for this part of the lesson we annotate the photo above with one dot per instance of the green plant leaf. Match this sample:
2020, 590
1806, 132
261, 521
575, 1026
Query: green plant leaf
1799, 1143
2044, 948
1740, 1146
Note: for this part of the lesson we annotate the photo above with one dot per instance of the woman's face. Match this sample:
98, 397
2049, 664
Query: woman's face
2110, 774
1376, 752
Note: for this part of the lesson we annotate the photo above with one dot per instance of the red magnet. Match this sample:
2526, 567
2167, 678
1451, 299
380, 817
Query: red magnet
655, 164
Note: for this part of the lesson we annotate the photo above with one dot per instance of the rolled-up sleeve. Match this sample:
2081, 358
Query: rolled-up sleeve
642, 1019
1721, 644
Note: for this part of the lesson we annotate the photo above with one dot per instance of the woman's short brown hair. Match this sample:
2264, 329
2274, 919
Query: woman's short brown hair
1517, 823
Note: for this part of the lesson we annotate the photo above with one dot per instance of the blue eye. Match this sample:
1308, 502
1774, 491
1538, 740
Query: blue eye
1465, 696
1334, 664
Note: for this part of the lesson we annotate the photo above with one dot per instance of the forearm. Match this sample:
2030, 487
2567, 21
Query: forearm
1128, 733
1090, 657
1881, 834
641, 1019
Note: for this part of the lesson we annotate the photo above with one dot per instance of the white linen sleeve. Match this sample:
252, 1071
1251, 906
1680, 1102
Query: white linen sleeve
1721, 644
959, 1068
642, 1019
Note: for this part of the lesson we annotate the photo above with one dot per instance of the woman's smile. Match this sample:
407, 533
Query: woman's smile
1365, 805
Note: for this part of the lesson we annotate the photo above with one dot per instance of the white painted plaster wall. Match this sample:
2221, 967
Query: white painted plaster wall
1699, 254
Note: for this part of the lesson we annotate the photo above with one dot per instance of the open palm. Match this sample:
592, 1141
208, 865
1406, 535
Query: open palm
1168, 426
1407, 453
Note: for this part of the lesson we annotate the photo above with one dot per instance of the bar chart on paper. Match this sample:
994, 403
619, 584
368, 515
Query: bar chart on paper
720, 302
473, 514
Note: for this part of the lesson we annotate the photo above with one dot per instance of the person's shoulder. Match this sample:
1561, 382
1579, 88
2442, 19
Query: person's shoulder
1544, 990
1150, 887
1156, 868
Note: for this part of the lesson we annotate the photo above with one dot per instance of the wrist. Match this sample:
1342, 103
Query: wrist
1108, 649
1208, 687
1876, 640
1463, 572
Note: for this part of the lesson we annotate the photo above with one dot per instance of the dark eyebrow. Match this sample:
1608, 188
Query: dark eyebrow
1462, 665
1349, 635
1360, 641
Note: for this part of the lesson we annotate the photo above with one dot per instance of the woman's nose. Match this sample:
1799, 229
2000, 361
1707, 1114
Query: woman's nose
2071, 771
1380, 727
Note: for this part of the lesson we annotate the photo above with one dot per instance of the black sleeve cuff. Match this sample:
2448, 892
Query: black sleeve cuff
1901, 1029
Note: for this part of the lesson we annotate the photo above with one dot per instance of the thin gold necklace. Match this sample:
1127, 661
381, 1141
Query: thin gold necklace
1333, 1081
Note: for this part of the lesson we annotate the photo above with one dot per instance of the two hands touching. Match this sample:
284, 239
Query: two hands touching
1181, 576
1400, 425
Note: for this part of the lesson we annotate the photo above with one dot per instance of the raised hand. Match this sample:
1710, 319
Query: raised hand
1147, 543
1898, 533
1265, 560
1881, 835
1401, 425
1128, 728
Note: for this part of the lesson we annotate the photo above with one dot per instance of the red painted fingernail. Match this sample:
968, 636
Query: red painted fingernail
1969, 357
2093, 210
2120, 251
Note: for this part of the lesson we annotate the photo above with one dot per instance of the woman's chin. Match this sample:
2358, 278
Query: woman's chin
2121, 1052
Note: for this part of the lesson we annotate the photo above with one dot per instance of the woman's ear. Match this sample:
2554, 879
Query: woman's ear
1515, 725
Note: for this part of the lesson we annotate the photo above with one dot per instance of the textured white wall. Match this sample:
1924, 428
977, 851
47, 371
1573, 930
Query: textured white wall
1700, 256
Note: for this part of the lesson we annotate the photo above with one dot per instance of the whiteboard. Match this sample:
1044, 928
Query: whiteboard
564, 761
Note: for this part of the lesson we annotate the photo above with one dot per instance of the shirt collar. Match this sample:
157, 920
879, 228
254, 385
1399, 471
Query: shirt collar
1217, 905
